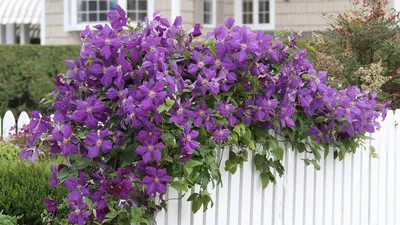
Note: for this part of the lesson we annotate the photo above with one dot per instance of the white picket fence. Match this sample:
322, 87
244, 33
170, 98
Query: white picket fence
360, 190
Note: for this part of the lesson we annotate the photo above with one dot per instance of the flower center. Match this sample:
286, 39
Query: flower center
133, 116
89, 109
99, 142
65, 141
204, 82
180, 111
150, 133
244, 46
317, 81
119, 68
157, 180
286, 118
79, 187
188, 137
152, 93
201, 113
218, 63
221, 132
347, 110
150, 147
227, 107
107, 41
78, 211
269, 102
121, 93
200, 64
152, 49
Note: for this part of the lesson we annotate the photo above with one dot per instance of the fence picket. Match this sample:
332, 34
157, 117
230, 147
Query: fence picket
8, 123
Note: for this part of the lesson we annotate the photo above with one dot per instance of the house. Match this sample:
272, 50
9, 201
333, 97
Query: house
61, 20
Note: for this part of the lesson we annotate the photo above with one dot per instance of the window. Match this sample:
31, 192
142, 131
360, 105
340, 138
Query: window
258, 14
80, 13
209, 13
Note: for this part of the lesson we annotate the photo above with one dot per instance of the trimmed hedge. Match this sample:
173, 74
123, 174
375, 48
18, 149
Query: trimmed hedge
8, 152
23, 187
27, 73
8, 220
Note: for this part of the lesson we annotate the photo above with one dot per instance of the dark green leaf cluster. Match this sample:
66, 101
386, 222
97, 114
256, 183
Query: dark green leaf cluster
27, 74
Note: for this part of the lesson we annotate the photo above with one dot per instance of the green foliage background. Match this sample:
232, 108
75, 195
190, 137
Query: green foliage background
23, 186
27, 73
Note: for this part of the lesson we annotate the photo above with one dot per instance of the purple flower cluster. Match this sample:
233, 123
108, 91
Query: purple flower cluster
137, 101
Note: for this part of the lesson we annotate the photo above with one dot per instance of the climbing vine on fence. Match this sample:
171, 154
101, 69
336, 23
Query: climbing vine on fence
150, 105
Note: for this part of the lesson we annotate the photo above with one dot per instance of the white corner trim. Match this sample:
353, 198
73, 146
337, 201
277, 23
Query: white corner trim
175, 9
43, 23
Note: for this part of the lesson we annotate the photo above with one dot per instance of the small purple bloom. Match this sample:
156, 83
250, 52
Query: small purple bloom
98, 141
156, 180
51, 204
117, 18
150, 149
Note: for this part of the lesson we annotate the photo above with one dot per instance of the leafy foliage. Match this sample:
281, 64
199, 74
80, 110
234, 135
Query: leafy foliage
23, 187
27, 74
150, 105
362, 48
8, 220
8, 151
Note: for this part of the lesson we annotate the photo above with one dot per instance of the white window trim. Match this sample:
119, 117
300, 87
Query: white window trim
70, 15
213, 14
255, 25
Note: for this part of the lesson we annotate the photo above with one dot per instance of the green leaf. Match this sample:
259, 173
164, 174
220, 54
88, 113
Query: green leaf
264, 179
82, 163
166, 107
179, 186
196, 204
193, 163
64, 172
319, 119
240, 129
217, 97
279, 152
230, 166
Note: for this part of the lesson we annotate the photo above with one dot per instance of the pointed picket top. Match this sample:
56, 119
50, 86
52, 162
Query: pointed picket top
8, 123
397, 117
23, 119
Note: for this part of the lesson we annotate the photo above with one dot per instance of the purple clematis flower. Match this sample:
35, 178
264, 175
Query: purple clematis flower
150, 149
51, 204
77, 186
203, 84
98, 141
188, 143
79, 214
118, 187
319, 134
117, 18
319, 82
150, 132
201, 62
155, 94
156, 180
65, 140
221, 134
107, 41
202, 114
90, 111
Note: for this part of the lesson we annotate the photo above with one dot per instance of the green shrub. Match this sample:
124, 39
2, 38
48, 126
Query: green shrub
27, 73
8, 220
8, 151
23, 187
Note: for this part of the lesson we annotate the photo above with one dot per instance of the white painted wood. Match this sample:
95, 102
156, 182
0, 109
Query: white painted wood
390, 169
24, 34
23, 119
8, 123
223, 194
10, 34
396, 196
318, 196
234, 198
246, 190
329, 184
288, 186
173, 206
374, 180
357, 191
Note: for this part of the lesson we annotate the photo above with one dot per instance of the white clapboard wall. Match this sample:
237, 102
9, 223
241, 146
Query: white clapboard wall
359, 190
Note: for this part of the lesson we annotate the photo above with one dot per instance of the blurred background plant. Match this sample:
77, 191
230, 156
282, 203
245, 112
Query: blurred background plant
362, 47
24, 185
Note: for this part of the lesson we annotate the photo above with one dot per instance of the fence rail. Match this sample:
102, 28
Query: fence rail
360, 190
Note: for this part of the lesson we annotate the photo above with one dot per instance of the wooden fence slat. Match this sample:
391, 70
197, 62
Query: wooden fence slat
288, 186
299, 192
374, 180
8, 123
390, 169
23, 119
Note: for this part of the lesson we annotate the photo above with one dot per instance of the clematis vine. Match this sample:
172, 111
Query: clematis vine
150, 106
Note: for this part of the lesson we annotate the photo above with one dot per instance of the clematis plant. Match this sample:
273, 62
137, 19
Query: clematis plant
150, 106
